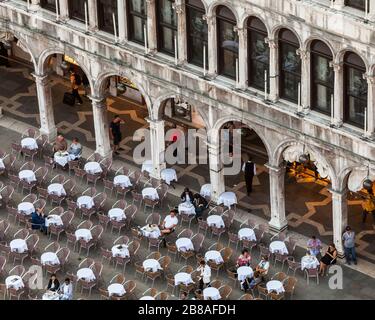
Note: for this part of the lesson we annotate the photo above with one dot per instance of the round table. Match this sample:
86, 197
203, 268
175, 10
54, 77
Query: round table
182, 277
150, 193
147, 298
227, 198
213, 255
116, 289
84, 234
29, 143
93, 167
120, 250
56, 188
14, 282
85, 201
151, 232
187, 207
147, 166
26, 208
246, 234
50, 295
206, 190
18, 245
275, 286
211, 293
86, 274
61, 158
54, 219
116, 214
168, 175
151, 265
184, 244
279, 247
2, 166
309, 262
244, 272
215, 221
49, 258
122, 181
27, 175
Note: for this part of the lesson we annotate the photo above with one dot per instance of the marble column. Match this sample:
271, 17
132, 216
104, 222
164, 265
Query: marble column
157, 137
101, 126
371, 14
47, 119
34, 5
92, 8
121, 18
212, 45
216, 170
64, 10
340, 218
305, 79
338, 116
151, 27
242, 58
338, 4
370, 132
274, 70
278, 220
181, 31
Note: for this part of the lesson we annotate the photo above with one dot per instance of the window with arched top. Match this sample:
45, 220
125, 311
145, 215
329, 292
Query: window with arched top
228, 44
107, 12
77, 10
258, 53
197, 33
355, 90
322, 77
167, 26
49, 4
137, 20
290, 65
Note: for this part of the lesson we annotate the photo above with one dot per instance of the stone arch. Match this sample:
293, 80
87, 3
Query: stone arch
344, 174
307, 44
340, 56
213, 6
259, 16
274, 34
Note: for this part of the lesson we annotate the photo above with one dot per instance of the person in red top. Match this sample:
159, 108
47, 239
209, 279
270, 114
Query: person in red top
244, 259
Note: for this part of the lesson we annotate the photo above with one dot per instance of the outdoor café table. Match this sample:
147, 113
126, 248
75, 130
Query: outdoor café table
150, 193
116, 289
49, 258
50, 295
85, 201
206, 190
86, 274
182, 277
186, 207
29, 143
147, 166
18, 245
211, 293
246, 234
14, 282
116, 214
244, 272
278, 246
2, 166
27, 175
213, 255
309, 262
84, 234
151, 232
147, 298
151, 265
168, 175
227, 198
275, 286
26, 208
184, 244
61, 158
56, 188
93, 167
122, 181
54, 219
120, 250
216, 221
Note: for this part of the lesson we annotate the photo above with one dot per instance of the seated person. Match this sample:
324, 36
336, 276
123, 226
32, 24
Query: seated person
244, 259
251, 283
328, 259
53, 283
263, 266
187, 196
38, 220
66, 290
170, 222
314, 245
75, 149
60, 144
200, 205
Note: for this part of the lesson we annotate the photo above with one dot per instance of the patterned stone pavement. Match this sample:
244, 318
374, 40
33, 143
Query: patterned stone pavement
308, 202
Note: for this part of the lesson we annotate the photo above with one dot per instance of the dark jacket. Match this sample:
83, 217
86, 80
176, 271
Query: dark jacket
200, 202
183, 196
37, 221
56, 287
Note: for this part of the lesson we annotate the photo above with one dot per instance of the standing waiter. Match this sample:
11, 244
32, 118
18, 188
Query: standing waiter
249, 169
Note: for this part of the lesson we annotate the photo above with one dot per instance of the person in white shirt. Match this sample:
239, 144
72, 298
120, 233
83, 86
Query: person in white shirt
263, 267
66, 290
204, 275
169, 223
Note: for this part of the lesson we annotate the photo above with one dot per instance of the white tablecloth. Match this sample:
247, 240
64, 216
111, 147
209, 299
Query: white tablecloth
54, 219
275, 286
150, 193
50, 295
14, 282
18, 245
151, 232
206, 190
56, 188
61, 158
184, 244
26, 208
116, 289
168, 175
147, 166
278, 246
182, 277
216, 221
93, 167
227, 198
84, 234
309, 262
49, 258
244, 272
186, 207
116, 214
86, 274
2, 166
151, 265
147, 298
27, 175
214, 255
122, 180
211, 293
246, 233
120, 252
29, 143
85, 201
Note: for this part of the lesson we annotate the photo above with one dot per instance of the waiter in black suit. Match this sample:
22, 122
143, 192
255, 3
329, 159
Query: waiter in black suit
249, 169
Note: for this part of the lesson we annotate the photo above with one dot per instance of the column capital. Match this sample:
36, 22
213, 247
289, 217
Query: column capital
303, 53
338, 193
272, 43
370, 78
99, 102
210, 19
337, 66
275, 169
154, 122
39, 78
179, 8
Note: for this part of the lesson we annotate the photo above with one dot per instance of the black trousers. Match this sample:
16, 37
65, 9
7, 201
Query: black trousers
201, 284
249, 183
76, 95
